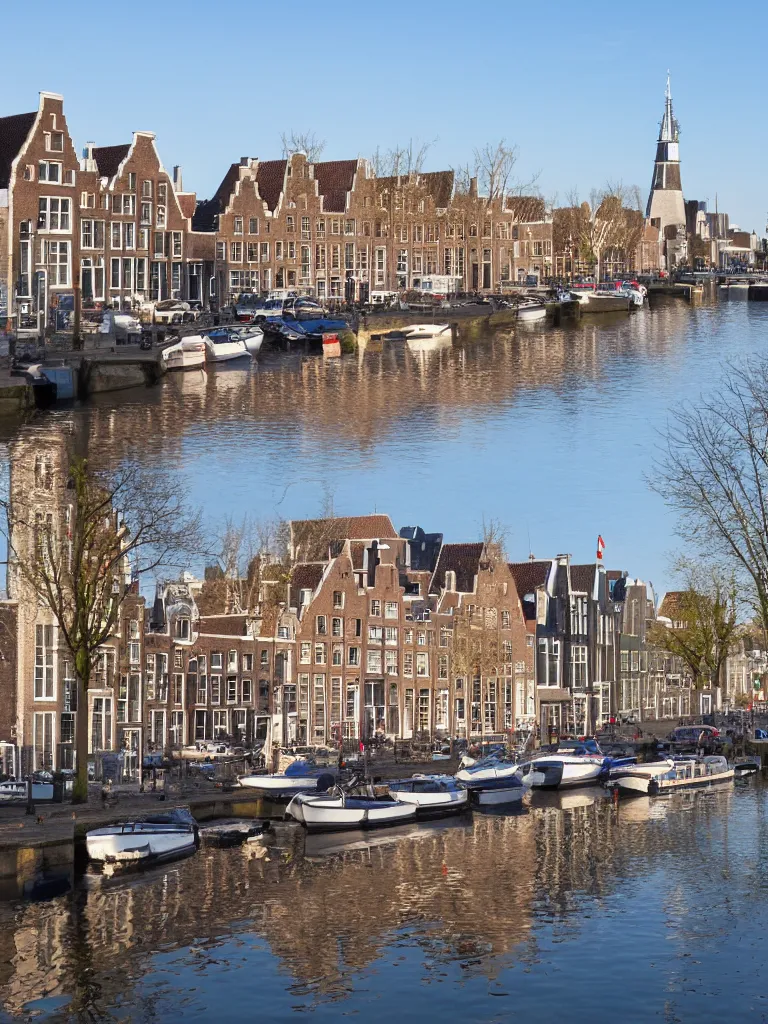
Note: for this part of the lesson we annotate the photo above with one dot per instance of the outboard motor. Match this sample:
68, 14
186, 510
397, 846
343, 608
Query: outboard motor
325, 782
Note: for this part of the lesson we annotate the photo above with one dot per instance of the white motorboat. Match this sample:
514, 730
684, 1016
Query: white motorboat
507, 791
531, 311
15, 792
223, 350
692, 773
299, 777
426, 331
554, 771
492, 768
253, 339
496, 779
431, 793
187, 354
342, 811
634, 778
159, 837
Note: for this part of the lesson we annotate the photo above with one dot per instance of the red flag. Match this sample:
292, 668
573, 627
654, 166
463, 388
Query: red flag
600, 548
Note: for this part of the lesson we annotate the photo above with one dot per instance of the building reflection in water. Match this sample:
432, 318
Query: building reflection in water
471, 891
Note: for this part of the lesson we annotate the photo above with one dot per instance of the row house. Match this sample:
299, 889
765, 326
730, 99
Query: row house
39, 250
746, 671
133, 226
335, 230
682, 698
380, 622
111, 229
577, 632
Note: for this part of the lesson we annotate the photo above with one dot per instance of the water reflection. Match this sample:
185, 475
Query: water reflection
477, 898
551, 430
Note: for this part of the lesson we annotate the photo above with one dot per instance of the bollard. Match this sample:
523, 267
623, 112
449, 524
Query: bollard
30, 804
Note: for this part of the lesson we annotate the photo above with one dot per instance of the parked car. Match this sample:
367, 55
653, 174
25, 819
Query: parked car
688, 737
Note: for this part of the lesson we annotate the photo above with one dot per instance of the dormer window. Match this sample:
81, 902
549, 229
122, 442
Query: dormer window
305, 596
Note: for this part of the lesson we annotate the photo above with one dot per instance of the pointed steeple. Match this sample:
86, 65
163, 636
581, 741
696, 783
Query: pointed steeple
669, 131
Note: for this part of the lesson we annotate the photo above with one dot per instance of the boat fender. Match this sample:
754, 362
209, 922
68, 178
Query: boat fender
324, 782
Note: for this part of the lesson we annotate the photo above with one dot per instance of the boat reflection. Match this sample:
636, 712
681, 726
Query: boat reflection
319, 845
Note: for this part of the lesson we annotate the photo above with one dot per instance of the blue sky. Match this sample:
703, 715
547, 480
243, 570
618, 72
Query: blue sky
578, 88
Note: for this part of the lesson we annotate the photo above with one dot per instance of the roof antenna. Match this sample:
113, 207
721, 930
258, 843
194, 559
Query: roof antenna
530, 553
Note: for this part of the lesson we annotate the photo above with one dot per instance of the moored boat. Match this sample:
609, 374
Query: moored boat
635, 778
343, 811
496, 779
187, 354
301, 776
157, 837
426, 331
531, 311
431, 794
691, 773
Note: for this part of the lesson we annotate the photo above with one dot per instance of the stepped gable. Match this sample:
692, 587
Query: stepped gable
335, 179
464, 560
109, 158
14, 131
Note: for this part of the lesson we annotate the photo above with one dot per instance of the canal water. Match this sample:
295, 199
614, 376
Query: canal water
572, 908
550, 430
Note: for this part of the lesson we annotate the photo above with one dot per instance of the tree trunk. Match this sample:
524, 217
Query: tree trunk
82, 674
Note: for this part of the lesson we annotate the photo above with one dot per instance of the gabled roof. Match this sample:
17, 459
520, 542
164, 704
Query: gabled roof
529, 575
671, 606
187, 202
583, 578
205, 217
311, 538
335, 179
225, 189
109, 158
304, 576
14, 131
464, 560
270, 178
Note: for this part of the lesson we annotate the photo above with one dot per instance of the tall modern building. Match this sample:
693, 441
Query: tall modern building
666, 206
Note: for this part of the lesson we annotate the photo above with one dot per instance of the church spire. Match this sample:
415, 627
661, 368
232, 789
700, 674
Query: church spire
669, 127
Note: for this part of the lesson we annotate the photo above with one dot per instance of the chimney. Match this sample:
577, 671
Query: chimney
177, 186
373, 561
473, 187
88, 163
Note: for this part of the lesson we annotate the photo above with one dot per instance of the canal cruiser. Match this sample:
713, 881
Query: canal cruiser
341, 810
692, 773
301, 776
431, 794
155, 838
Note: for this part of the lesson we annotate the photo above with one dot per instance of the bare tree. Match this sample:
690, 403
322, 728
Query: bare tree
82, 558
703, 628
303, 142
402, 160
712, 469
244, 550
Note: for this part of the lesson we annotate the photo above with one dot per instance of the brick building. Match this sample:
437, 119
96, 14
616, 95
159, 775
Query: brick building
39, 249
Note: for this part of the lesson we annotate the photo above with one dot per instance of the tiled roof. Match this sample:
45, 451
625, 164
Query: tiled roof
464, 560
206, 215
529, 575
187, 202
200, 245
224, 191
306, 575
109, 158
335, 179
583, 578
270, 178
224, 625
671, 604
13, 134
439, 185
